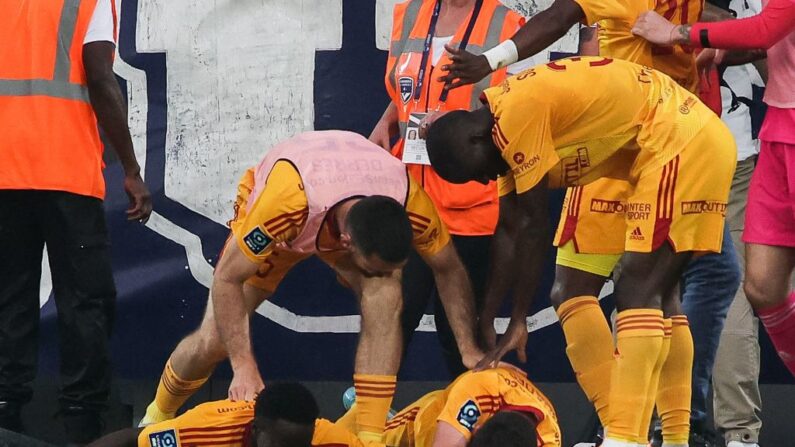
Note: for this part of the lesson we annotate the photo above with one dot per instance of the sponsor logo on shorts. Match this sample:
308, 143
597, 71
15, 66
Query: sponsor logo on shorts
524, 165
636, 235
704, 206
165, 438
638, 211
257, 241
406, 84
608, 206
468, 415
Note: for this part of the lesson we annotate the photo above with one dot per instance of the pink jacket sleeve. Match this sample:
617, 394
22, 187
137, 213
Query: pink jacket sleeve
775, 21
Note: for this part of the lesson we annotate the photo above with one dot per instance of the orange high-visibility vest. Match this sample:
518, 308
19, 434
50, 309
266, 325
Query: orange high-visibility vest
470, 209
48, 131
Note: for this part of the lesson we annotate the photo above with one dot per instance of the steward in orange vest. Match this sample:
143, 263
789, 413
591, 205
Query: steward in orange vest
416, 57
56, 85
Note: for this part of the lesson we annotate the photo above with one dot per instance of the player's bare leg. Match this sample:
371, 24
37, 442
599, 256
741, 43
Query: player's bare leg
192, 362
647, 280
768, 276
380, 348
589, 341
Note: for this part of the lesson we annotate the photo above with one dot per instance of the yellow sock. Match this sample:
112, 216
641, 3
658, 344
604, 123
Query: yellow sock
589, 346
673, 395
172, 392
638, 345
651, 397
373, 398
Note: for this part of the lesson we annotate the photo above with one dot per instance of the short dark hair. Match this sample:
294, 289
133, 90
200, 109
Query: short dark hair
442, 137
379, 225
507, 429
289, 401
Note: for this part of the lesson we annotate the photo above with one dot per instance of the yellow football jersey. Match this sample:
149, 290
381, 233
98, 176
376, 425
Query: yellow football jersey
585, 118
468, 402
615, 19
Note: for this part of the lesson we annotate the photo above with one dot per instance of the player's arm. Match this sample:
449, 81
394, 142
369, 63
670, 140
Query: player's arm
518, 251
386, 128
232, 320
455, 292
541, 31
108, 104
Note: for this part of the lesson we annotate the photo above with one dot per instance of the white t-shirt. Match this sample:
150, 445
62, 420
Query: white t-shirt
437, 50
740, 79
101, 27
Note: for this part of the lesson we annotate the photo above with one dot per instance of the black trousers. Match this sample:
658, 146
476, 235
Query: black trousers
73, 227
419, 290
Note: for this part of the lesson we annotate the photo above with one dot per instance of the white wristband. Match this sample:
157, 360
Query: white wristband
502, 55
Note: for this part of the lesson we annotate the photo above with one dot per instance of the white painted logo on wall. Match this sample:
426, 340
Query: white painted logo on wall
240, 78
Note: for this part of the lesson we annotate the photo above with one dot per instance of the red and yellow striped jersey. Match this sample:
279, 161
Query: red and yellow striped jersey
225, 423
468, 403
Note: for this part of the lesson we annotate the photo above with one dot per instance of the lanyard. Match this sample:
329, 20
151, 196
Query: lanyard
429, 41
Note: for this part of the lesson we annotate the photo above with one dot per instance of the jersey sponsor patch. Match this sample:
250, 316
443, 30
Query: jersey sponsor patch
257, 241
165, 438
468, 415
406, 88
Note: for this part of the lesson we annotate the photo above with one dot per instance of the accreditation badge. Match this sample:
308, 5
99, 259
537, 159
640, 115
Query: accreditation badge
414, 150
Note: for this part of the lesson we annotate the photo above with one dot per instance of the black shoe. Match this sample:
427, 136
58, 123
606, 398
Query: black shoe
10, 416
82, 425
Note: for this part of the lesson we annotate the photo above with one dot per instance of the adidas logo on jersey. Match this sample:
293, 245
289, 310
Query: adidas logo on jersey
636, 235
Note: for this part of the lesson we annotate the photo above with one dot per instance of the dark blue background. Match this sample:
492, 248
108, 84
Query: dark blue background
160, 302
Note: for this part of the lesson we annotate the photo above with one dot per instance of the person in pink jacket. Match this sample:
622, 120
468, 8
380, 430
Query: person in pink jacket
770, 217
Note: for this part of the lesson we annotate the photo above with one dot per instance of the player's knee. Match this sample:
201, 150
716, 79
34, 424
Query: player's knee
208, 345
559, 294
759, 294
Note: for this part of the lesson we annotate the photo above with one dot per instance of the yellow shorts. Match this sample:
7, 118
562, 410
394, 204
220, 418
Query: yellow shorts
675, 202
274, 267
597, 264
684, 201
593, 219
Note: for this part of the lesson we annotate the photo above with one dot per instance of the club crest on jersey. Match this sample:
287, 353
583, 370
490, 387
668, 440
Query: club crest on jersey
257, 241
406, 88
165, 438
468, 415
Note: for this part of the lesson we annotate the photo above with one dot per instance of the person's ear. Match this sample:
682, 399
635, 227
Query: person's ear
345, 241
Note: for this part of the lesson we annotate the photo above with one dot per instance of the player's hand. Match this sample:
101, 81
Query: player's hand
655, 28
140, 199
472, 358
246, 384
515, 339
380, 136
465, 68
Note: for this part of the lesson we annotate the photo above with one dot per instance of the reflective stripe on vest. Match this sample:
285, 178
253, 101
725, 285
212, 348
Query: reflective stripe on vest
407, 45
59, 86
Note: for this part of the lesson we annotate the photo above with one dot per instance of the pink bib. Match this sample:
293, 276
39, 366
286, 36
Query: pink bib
334, 166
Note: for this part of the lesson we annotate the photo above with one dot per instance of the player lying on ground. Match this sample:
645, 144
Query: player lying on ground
467, 410
339, 196
569, 123
284, 415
